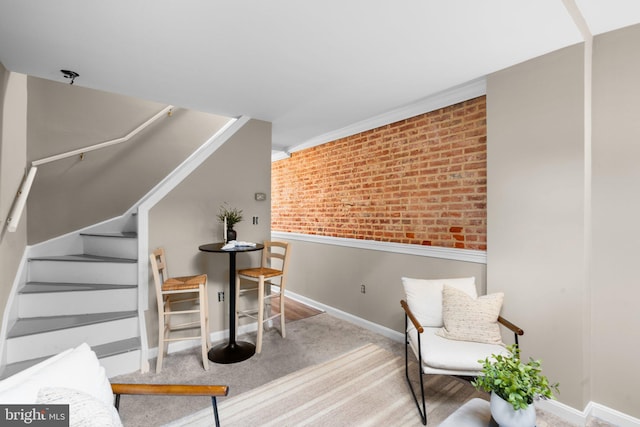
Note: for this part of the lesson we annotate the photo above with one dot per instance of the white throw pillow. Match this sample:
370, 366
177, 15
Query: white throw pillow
84, 409
78, 369
471, 319
424, 297
22, 376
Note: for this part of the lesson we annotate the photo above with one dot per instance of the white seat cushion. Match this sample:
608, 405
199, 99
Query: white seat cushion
444, 356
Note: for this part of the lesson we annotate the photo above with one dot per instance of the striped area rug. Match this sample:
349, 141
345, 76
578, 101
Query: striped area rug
365, 387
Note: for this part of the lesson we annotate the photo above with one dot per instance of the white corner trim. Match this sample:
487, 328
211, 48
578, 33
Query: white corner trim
611, 415
467, 255
563, 411
592, 409
279, 155
445, 98
374, 327
191, 163
10, 312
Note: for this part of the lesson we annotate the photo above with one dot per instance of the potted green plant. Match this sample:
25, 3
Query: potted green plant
514, 386
230, 217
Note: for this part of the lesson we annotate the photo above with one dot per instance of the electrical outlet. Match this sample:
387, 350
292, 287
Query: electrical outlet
220, 296
362, 288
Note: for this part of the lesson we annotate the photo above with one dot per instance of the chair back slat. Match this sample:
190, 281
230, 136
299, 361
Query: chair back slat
275, 255
159, 270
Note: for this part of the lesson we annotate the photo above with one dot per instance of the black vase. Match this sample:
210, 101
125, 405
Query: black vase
231, 234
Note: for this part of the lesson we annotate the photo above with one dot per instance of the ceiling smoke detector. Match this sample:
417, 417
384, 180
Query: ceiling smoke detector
68, 74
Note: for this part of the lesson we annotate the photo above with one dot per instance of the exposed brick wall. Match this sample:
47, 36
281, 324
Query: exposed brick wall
419, 181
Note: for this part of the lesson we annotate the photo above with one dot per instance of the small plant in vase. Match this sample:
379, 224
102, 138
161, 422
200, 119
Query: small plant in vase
514, 386
229, 217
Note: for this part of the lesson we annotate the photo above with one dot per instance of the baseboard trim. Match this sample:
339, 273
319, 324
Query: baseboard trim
563, 411
611, 415
592, 409
374, 327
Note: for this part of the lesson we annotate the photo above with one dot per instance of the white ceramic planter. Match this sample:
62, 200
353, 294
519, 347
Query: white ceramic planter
504, 414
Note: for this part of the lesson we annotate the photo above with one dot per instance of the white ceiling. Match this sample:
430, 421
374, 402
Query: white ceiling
309, 67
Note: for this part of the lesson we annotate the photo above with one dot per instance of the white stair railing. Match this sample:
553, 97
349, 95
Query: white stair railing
27, 182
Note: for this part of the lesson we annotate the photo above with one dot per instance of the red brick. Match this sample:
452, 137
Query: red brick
421, 181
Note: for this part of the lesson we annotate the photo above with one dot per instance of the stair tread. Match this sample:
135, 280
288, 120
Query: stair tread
117, 347
121, 234
83, 258
102, 351
46, 287
35, 325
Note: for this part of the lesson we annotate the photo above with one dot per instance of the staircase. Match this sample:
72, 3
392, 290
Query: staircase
88, 297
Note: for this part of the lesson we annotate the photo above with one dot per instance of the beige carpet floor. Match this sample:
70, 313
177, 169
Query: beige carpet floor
364, 387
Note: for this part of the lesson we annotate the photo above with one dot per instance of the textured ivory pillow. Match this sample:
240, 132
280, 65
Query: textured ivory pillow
424, 297
471, 319
84, 409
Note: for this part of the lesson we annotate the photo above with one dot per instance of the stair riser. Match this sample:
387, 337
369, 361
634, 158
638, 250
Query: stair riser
120, 364
39, 345
65, 303
83, 272
118, 247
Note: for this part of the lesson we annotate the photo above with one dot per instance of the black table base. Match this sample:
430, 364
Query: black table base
233, 352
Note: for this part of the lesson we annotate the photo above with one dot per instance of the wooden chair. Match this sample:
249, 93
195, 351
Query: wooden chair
275, 261
426, 313
174, 390
189, 293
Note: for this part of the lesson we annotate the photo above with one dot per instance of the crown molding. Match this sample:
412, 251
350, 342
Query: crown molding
442, 99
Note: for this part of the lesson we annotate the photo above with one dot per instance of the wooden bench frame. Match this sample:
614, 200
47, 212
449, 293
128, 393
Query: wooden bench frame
172, 389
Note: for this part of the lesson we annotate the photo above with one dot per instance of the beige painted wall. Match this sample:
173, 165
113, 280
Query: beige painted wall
616, 229
332, 275
72, 193
186, 218
535, 205
13, 152
580, 316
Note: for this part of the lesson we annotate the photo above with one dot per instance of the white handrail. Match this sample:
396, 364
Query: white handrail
25, 187
21, 200
100, 145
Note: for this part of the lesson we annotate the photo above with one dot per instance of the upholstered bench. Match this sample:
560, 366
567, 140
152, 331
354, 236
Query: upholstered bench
75, 377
